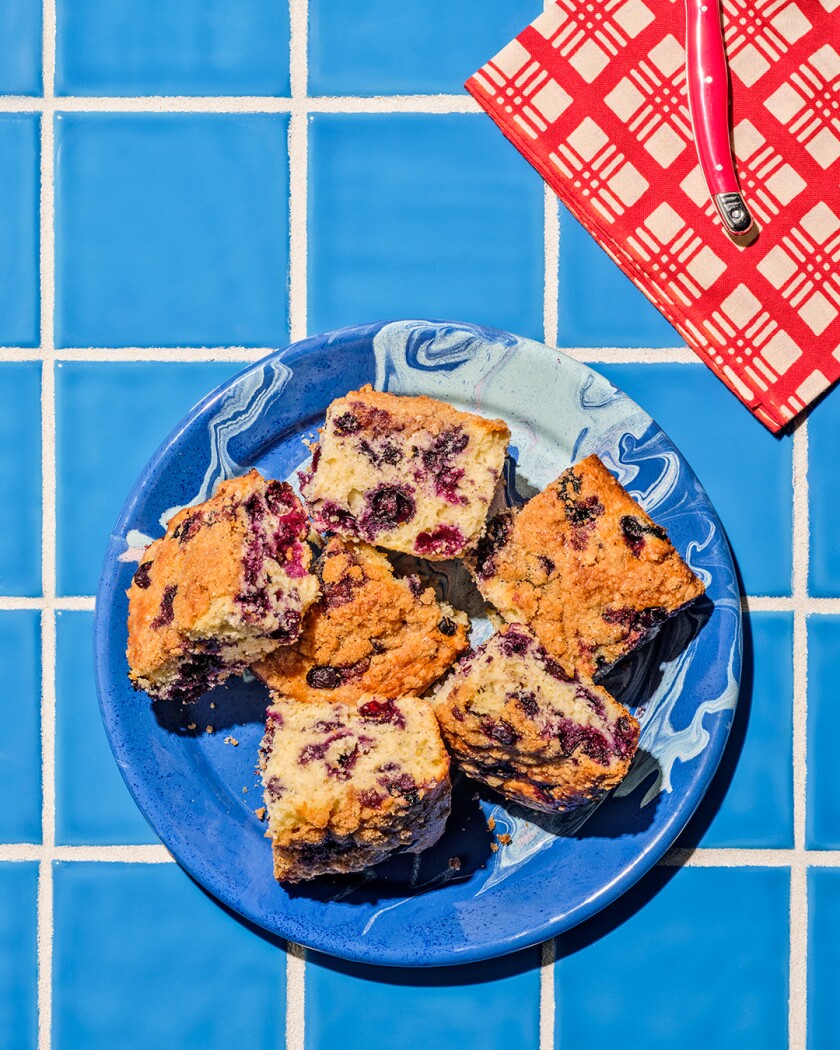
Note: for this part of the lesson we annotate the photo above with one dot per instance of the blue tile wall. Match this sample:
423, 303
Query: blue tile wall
823, 958
19, 241
823, 817
144, 958
455, 233
18, 959
597, 304
156, 47
20, 478
93, 805
823, 443
692, 959
110, 418
20, 47
746, 471
171, 230
20, 748
750, 801
493, 1005
377, 47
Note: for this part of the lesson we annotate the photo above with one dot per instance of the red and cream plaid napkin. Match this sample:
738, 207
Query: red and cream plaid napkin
593, 93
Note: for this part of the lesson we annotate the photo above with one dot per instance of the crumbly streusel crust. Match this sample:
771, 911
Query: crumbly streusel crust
370, 632
349, 785
408, 473
514, 720
228, 583
584, 567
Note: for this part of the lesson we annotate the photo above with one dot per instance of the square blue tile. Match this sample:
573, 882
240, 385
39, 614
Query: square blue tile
823, 442
144, 958
597, 304
20, 750
18, 960
93, 805
19, 225
699, 959
746, 471
20, 478
378, 47
157, 47
823, 958
750, 801
823, 808
110, 418
492, 1005
20, 47
422, 216
171, 229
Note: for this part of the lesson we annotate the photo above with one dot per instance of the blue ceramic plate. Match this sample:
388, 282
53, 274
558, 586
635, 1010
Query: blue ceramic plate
554, 873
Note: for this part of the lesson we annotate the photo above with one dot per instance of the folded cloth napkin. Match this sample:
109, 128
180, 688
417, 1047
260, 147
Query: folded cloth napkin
593, 93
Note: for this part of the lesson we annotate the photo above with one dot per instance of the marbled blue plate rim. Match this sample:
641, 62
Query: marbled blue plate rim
324, 925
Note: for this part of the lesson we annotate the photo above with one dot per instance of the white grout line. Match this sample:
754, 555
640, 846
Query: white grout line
298, 167
199, 355
751, 858
298, 197
48, 533
798, 994
45, 952
72, 604
295, 995
22, 852
628, 355
701, 857
801, 539
149, 854
591, 355
298, 194
19, 353
749, 603
244, 104
393, 104
551, 238
547, 1005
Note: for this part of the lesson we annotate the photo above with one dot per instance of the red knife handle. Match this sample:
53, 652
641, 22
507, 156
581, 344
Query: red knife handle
708, 99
